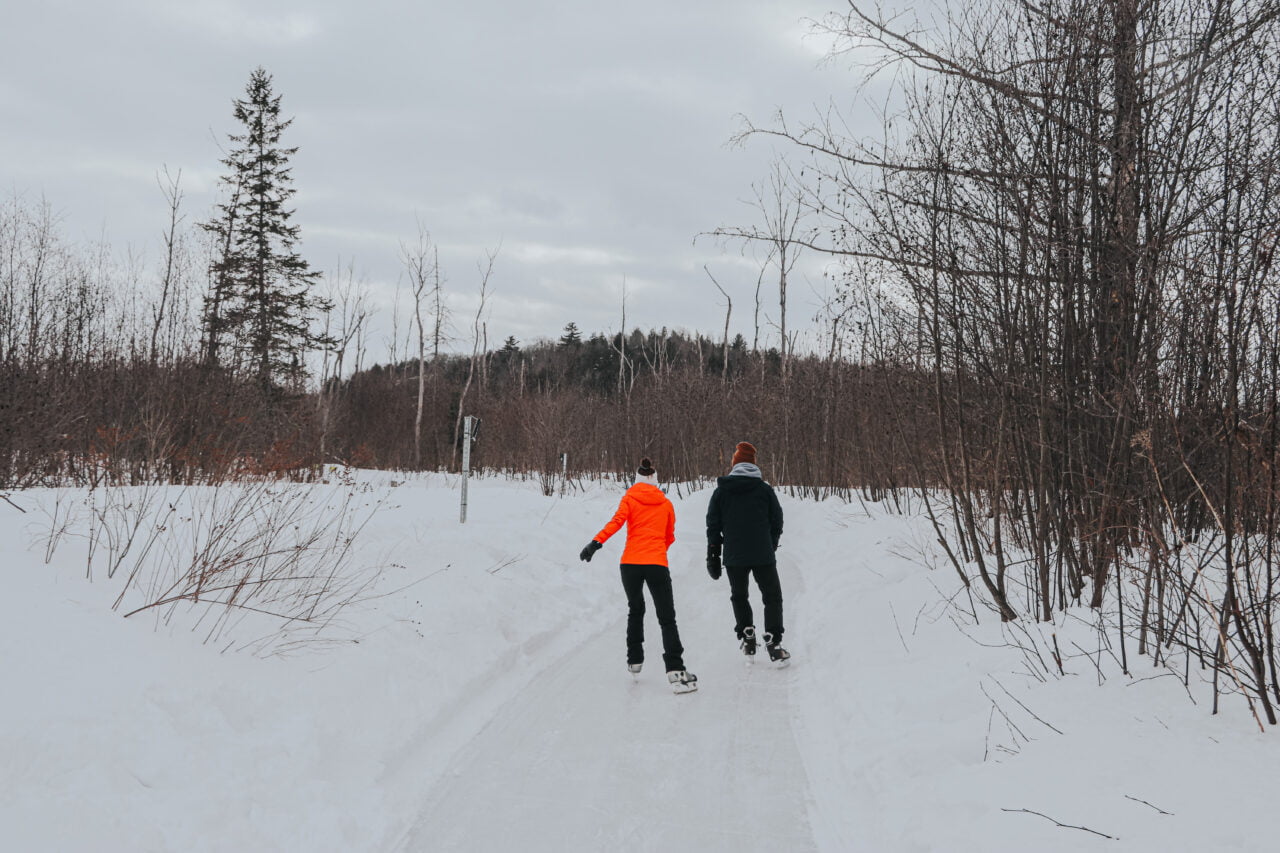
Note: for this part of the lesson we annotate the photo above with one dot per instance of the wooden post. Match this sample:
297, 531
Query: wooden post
468, 427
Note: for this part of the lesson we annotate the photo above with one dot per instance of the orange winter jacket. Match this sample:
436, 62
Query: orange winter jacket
651, 525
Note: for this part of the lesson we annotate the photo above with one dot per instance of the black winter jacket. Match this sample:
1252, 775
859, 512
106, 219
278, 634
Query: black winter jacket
744, 515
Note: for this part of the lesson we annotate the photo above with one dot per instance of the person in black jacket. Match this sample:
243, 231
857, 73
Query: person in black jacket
744, 524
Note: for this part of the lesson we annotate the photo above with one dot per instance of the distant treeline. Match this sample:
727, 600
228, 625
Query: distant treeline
683, 400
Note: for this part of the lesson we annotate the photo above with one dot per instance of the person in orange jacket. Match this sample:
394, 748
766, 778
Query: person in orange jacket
651, 528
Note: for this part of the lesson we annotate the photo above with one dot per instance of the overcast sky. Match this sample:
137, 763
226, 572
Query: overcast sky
588, 139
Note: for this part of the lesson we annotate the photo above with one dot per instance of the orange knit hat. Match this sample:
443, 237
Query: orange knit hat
744, 453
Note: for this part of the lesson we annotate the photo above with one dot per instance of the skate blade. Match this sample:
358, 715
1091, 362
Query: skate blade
781, 664
684, 688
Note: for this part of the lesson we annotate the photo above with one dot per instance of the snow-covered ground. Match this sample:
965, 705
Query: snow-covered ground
483, 705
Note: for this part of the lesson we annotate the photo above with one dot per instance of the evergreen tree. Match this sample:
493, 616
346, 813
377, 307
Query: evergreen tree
510, 347
571, 337
260, 298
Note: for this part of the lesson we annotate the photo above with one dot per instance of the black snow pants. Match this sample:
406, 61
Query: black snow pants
770, 593
634, 578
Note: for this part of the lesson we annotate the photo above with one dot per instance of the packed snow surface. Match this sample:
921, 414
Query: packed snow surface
477, 699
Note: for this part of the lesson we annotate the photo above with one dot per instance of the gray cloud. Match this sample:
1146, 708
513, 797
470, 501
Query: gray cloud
587, 138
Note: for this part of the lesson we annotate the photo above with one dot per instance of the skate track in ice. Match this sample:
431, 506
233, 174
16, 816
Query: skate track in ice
589, 758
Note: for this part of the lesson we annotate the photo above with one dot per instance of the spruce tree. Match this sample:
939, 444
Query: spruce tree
260, 299
571, 337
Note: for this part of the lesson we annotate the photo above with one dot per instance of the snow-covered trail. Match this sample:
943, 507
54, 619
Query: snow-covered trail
586, 757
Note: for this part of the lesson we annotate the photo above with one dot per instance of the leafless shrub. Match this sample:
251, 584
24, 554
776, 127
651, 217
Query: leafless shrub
263, 565
60, 518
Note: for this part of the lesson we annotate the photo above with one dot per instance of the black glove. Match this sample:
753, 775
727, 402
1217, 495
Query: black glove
590, 551
713, 562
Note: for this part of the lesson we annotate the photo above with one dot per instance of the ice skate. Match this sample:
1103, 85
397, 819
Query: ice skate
777, 653
748, 643
682, 681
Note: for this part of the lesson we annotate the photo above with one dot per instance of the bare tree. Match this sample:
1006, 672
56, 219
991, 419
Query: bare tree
486, 270
422, 263
724, 349
171, 188
781, 205
349, 297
